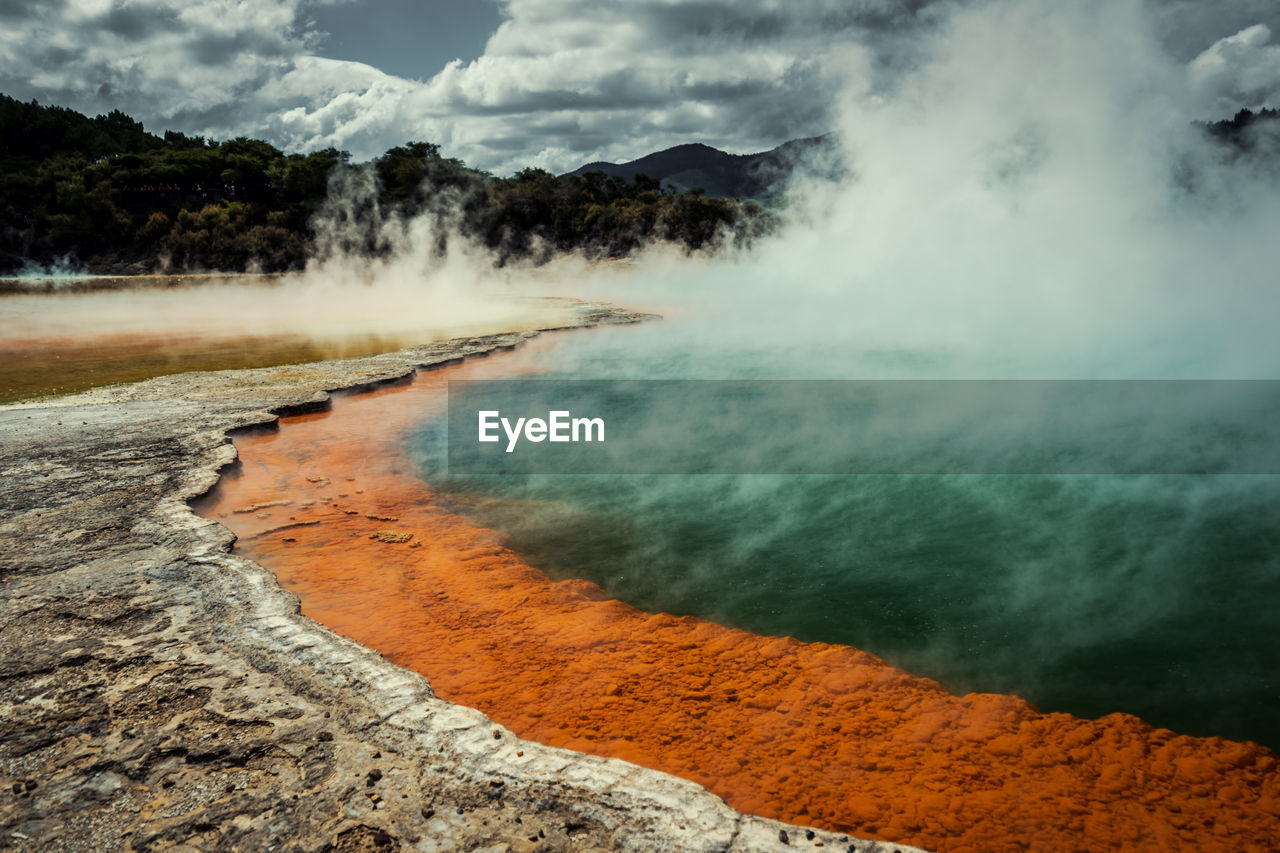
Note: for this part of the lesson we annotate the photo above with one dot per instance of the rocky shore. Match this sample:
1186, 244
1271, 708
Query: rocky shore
157, 692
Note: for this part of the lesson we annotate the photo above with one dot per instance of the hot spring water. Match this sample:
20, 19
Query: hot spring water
1150, 594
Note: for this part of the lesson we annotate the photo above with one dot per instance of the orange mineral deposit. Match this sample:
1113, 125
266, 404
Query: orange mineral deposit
811, 733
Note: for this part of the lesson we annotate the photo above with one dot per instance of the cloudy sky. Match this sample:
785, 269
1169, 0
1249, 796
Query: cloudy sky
555, 83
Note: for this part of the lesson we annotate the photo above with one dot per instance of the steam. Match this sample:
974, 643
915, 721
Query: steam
374, 274
53, 274
1032, 201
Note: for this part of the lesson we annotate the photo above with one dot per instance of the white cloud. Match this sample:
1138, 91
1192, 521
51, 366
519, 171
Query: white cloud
1242, 70
560, 83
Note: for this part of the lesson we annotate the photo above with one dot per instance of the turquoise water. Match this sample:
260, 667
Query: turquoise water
1150, 594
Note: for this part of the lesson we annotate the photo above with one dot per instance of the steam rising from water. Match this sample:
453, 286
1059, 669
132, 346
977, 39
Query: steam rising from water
373, 274
1031, 202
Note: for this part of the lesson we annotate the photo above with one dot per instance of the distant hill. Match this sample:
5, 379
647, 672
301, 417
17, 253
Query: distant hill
719, 173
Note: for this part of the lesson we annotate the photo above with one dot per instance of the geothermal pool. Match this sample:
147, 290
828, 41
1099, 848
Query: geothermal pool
1084, 590
68, 334
634, 619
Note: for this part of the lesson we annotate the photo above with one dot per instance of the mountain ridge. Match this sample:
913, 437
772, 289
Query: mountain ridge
696, 165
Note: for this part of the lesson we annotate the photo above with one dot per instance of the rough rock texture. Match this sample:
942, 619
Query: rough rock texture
160, 693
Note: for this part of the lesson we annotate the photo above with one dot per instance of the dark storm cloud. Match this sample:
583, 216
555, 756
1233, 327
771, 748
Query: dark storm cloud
218, 115
726, 92
780, 120
714, 20
27, 9
752, 22
52, 56
562, 126
508, 145
617, 90
135, 22
218, 49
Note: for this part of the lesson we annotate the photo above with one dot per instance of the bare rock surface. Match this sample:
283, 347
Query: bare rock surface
158, 692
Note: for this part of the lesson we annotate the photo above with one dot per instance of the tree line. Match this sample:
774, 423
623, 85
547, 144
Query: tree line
104, 195
1246, 129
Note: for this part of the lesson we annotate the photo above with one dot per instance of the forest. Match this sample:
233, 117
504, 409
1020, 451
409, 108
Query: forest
1247, 130
103, 195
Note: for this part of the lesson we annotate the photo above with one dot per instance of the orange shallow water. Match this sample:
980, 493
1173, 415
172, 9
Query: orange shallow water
810, 733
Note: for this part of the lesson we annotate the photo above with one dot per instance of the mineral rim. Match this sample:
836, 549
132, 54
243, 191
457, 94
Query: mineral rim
158, 692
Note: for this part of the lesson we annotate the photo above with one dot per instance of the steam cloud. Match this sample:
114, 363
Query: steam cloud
374, 273
1032, 201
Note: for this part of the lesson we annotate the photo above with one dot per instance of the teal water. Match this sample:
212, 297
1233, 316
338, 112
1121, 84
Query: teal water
1154, 595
